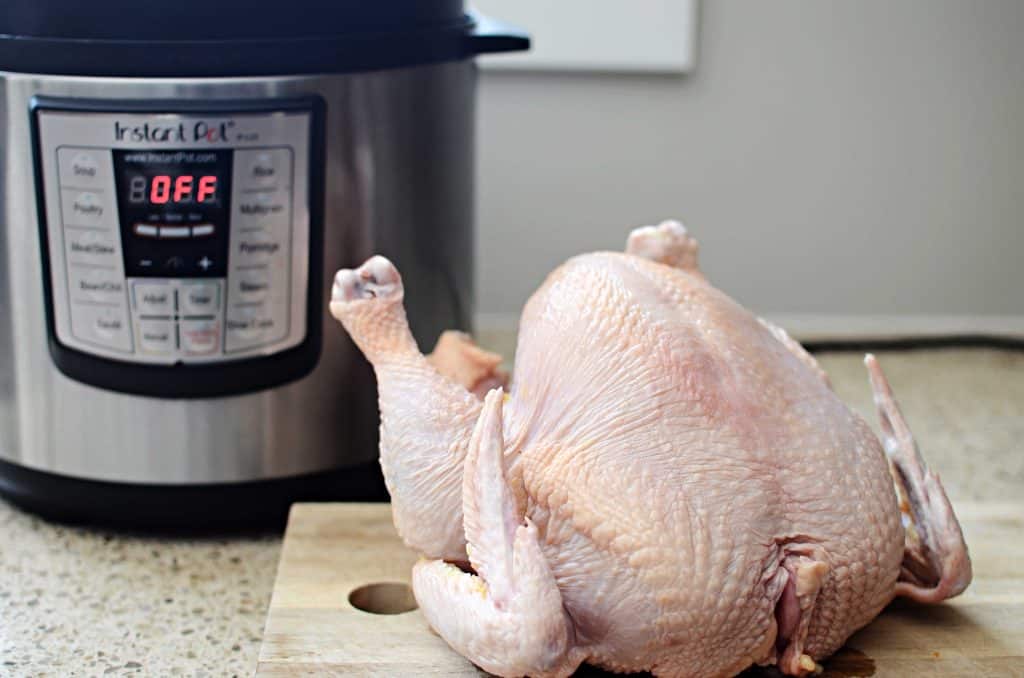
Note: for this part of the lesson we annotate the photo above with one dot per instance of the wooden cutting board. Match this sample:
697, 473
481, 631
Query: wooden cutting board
331, 550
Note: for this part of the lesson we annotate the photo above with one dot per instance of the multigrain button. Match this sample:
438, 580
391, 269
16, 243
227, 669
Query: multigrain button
200, 298
84, 208
153, 298
263, 207
96, 284
156, 336
81, 168
200, 337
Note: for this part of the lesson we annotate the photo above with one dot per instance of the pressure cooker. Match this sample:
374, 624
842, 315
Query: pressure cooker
179, 183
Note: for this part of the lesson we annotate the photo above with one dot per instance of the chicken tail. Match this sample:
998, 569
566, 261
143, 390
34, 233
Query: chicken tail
936, 564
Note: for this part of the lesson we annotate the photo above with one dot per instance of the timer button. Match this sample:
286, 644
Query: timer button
200, 298
81, 168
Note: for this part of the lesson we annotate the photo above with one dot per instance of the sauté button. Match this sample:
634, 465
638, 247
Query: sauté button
102, 325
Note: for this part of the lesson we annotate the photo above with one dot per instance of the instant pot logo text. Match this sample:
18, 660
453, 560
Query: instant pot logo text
175, 133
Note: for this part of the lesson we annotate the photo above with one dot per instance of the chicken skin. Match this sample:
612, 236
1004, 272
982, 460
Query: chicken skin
669, 485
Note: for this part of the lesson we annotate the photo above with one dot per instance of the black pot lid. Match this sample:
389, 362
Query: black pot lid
204, 38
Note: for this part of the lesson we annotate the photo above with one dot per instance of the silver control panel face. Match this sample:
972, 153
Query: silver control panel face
177, 237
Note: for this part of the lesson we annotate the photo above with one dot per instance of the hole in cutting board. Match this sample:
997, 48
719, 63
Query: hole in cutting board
383, 598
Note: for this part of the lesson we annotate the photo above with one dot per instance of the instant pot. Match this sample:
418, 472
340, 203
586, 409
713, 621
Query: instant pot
180, 181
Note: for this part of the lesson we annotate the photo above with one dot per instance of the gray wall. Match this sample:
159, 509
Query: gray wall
842, 157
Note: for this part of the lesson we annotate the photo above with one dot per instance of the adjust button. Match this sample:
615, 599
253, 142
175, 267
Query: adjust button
156, 336
103, 325
153, 298
200, 337
200, 298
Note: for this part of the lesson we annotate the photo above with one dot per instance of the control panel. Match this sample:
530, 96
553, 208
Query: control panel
176, 238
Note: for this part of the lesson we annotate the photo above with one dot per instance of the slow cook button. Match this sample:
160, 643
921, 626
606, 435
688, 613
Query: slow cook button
250, 327
96, 284
102, 325
80, 167
84, 208
153, 298
200, 337
200, 298
91, 247
156, 336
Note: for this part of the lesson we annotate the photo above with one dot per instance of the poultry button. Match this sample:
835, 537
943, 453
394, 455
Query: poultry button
83, 208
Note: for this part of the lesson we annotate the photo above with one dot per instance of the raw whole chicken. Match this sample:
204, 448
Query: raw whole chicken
670, 484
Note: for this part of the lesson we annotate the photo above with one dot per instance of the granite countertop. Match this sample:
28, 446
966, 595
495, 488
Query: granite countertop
91, 601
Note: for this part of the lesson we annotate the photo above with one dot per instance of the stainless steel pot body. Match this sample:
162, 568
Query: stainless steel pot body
398, 180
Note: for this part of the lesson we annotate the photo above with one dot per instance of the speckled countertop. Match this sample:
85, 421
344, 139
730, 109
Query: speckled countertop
78, 601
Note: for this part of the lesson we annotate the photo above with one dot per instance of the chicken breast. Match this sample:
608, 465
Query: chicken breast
670, 484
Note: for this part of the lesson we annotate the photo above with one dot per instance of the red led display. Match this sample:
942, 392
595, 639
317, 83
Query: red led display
181, 189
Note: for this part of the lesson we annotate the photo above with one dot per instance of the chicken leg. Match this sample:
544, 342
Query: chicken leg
426, 418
